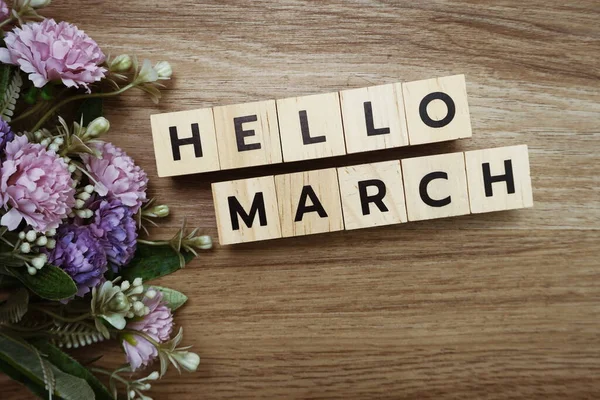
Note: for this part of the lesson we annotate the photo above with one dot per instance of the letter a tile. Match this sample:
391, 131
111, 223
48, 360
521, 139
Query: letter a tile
185, 142
311, 127
309, 202
435, 186
372, 195
246, 210
247, 134
499, 179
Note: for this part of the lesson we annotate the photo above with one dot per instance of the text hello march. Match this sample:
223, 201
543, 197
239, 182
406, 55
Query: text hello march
334, 124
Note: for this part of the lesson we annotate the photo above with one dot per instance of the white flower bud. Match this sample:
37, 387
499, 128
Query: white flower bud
138, 306
121, 63
187, 360
203, 242
31, 270
97, 127
51, 232
153, 376
159, 211
151, 293
163, 69
39, 261
59, 140
146, 386
79, 203
45, 142
38, 135
31, 236
137, 281
39, 3
89, 189
25, 248
72, 168
41, 241
124, 285
51, 244
131, 394
83, 196
53, 147
147, 73
22, 235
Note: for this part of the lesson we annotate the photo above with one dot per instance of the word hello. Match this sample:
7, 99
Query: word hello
310, 127
376, 194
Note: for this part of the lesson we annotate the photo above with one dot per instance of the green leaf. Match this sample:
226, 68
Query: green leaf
26, 360
13, 309
152, 262
173, 298
36, 386
6, 71
50, 282
90, 109
67, 364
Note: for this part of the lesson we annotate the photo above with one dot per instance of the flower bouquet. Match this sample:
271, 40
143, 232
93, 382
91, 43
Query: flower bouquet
73, 268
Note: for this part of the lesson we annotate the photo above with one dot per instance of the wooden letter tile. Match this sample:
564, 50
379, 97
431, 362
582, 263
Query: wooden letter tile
499, 179
184, 142
246, 210
309, 202
247, 134
373, 118
372, 195
437, 109
435, 186
311, 127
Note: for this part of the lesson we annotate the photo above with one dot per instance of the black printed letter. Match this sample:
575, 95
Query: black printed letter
423, 189
508, 177
449, 104
376, 198
371, 130
306, 139
176, 142
258, 206
241, 134
307, 191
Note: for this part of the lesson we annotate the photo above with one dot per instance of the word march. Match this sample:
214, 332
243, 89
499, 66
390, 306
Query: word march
333, 124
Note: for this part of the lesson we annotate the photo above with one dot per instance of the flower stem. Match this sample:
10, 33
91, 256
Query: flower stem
29, 112
154, 243
54, 109
61, 318
109, 373
7, 21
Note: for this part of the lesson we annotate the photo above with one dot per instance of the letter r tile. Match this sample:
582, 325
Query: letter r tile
185, 142
247, 134
246, 210
372, 195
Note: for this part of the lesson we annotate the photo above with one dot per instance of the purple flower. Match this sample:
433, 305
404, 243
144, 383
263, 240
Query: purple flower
4, 10
6, 134
79, 253
35, 185
48, 51
116, 175
157, 324
116, 228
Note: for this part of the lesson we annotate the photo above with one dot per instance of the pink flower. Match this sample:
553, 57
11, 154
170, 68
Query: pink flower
35, 184
48, 51
157, 324
4, 10
116, 175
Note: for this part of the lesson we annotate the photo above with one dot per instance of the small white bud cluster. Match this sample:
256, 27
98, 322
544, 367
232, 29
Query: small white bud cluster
32, 242
80, 200
138, 308
121, 63
97, 127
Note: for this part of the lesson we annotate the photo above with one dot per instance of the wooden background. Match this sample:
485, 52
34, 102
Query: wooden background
501, 305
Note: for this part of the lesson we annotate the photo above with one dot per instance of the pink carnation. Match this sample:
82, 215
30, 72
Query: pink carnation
158, 324
35, 184
4, 10
116, 175
48, 51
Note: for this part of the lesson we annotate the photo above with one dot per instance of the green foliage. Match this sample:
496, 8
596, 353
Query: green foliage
65, 363
10, 93
173, 298
151, 262
50, 282
13, 309
25, 363
75, 334
90, 109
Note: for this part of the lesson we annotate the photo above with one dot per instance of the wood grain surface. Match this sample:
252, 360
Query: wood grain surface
500, 305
